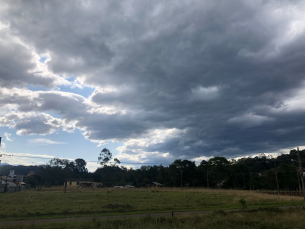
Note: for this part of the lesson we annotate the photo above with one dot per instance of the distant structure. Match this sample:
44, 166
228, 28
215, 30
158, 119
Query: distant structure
83, 183
12, 174
158, 184
11, 182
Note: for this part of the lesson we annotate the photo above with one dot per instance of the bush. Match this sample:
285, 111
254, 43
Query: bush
243, 203
32, 181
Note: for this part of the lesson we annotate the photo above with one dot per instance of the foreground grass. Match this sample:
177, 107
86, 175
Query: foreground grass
262, 219
53, 203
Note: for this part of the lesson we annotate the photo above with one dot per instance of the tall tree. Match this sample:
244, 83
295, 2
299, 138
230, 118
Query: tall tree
80, 165
104, 156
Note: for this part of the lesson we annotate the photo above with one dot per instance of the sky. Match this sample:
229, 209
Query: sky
152, 81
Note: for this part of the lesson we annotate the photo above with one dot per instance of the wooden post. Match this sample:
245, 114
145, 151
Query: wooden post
65, 185
277, 184
208, 186
5, 187
181, 177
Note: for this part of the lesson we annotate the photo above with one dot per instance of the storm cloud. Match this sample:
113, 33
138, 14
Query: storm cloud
172, 79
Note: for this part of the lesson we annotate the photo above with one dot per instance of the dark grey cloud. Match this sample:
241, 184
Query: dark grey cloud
20, 64
16, 73
204, 78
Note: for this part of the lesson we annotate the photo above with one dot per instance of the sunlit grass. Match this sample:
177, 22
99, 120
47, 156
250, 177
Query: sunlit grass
53, 202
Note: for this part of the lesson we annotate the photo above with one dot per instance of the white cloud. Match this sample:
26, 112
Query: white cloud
35, 123
35, 159
149, 148
45, 141
249, 120
3, 145
200, 159
24, 158
205, 93
92, 166
295, 103
152, 138
8, 136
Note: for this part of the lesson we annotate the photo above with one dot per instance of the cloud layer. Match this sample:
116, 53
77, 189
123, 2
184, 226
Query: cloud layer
172, 79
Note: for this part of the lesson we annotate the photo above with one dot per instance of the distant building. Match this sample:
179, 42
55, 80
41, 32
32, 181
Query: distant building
12, 173
10, 186
73, 183
12, 182
19, 178
83, 183
4, 178
11, 176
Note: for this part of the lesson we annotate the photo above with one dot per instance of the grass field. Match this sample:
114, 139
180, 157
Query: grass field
255, 219
53, 203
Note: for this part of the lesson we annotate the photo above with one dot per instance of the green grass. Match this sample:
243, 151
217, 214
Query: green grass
53, 203
260, 219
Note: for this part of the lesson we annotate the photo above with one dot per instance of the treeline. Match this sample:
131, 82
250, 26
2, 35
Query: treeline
261, 172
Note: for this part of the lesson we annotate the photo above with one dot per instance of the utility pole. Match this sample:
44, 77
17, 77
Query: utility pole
298, 175
178, 166
301, 174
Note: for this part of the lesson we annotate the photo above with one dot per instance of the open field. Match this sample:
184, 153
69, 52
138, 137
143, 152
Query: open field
254, 219
53, 203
